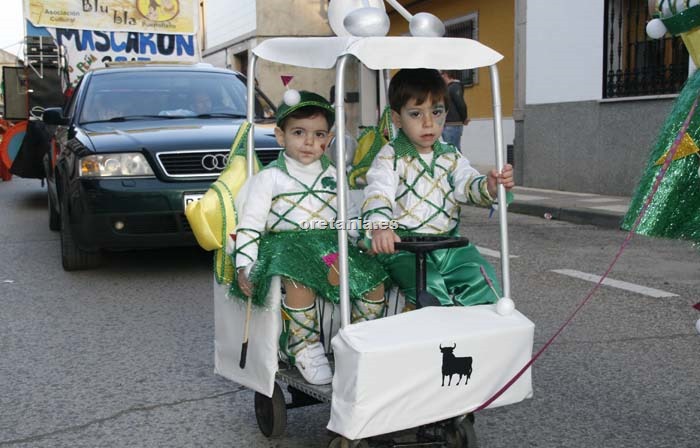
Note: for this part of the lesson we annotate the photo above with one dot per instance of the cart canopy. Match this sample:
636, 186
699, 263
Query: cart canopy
377, 53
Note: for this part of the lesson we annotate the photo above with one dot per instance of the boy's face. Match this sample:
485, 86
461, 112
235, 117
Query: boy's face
422, 123
304, 139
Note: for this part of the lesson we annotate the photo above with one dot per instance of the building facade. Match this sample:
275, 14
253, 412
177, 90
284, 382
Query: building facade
231, 28
595, 93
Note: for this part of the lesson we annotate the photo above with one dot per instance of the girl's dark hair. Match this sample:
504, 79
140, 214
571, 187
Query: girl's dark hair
307, 112
418, 84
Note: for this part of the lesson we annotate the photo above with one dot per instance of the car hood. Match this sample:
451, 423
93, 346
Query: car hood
173, 134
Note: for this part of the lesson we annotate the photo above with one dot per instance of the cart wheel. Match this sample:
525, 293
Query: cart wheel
342, 442
271, 413
467, 434
461, 434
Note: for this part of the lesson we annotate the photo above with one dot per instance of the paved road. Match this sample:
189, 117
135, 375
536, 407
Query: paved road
123, 356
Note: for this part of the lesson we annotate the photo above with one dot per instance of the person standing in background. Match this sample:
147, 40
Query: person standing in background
456, 109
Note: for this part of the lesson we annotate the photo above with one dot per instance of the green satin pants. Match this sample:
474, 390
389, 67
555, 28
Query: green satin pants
454, 275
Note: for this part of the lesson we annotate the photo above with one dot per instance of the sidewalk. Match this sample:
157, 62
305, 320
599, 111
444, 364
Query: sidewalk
579, 208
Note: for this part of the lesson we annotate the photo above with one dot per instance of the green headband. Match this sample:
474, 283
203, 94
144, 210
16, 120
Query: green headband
306, 99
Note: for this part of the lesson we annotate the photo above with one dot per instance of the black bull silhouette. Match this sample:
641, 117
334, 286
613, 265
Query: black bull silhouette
451, 365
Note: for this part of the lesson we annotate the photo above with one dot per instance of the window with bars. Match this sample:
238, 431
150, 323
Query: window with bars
466, 26
636, 65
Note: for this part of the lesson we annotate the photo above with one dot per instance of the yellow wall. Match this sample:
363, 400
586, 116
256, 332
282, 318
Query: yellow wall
496, 29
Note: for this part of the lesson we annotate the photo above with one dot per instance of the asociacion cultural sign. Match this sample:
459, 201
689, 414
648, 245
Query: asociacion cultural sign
159, 16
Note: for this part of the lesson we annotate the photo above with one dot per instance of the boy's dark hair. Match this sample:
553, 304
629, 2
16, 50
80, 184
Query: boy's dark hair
418, 84
306, 112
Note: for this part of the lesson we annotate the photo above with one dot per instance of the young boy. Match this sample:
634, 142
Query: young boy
281, 232
418, 181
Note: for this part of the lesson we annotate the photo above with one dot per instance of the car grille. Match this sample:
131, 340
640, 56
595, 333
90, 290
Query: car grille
185, 223
204, 163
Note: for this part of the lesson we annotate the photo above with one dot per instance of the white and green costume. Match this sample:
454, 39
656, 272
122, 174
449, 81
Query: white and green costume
281, 198
423, 193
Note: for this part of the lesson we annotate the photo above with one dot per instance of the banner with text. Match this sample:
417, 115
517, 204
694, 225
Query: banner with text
87, 49
156, 16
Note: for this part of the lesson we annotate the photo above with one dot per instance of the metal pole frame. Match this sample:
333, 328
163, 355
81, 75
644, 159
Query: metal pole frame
502, 204
342, 189
250, 143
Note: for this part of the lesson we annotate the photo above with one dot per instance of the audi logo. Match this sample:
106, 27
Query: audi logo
214, 162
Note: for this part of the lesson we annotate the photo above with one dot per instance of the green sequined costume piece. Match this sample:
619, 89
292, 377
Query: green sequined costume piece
298, 255
674, 212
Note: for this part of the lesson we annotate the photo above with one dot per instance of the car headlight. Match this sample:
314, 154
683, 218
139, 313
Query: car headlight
115, 165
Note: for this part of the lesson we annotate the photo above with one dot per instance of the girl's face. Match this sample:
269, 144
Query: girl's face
304, 139
422, 123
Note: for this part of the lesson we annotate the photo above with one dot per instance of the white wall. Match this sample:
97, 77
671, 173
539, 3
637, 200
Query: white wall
217, 59
564, 50
478, 141
225, 20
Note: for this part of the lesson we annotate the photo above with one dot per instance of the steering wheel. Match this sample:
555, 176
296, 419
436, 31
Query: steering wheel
420, 245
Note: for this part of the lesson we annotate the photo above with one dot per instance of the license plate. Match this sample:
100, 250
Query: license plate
191, 197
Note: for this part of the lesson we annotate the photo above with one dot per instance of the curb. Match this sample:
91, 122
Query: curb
573, 215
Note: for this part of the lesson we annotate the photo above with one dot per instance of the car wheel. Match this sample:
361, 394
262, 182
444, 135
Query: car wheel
73, 257
54, 217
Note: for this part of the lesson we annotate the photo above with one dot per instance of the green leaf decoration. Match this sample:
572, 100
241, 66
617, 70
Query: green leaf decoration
328, 182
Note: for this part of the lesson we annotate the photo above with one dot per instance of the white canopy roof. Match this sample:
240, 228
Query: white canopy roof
442, 53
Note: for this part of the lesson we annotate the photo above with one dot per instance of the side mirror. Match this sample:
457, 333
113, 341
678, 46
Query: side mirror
54, 116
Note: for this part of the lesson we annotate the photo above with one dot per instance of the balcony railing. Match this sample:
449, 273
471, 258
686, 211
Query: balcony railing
636, 65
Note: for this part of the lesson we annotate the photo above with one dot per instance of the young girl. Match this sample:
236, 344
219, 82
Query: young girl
286, 229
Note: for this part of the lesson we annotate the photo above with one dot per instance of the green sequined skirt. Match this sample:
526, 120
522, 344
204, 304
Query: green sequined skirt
299, 256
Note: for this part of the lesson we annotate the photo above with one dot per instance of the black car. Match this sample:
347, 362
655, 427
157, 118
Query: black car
134, 145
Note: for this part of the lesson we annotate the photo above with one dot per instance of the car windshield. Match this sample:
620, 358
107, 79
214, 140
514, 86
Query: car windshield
168, 94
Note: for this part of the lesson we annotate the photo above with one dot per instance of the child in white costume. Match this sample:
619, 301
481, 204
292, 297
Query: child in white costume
419, 182
279, 234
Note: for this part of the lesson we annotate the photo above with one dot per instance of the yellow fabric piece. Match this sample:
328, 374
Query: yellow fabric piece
213, 217
368, 145
210, 223
687, 147
691, 39
364, 144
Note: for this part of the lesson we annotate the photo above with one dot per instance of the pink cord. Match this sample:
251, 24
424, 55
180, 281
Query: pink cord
657, 182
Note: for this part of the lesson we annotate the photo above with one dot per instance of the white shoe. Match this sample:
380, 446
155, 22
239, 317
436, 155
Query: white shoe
313, 364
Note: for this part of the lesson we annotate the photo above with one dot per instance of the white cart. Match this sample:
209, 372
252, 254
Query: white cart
389, 374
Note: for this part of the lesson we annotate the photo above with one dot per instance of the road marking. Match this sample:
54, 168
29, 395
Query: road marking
492, 253
616, 283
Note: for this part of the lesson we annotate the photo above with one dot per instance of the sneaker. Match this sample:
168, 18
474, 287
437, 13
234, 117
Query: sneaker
313, 364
